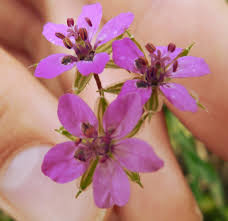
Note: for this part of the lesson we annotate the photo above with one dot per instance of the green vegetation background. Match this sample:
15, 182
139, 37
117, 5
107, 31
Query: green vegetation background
206, 174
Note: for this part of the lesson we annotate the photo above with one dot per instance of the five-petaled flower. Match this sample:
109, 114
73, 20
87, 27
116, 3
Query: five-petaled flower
165, 64
70, 160
78, 37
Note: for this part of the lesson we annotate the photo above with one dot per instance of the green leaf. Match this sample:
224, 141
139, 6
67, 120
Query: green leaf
65, 133
107, 47
114, 89
111, 64
138, 126
102, 105
200, 172
134, 177
80, 82
33, 66
186, 51
87, 177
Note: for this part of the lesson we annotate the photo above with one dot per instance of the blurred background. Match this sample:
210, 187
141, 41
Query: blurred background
206, 174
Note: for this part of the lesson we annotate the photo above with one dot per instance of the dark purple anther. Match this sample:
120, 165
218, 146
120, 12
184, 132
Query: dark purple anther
70, 22
83, 33
88, 21
88, 130
80, 155
141, 62
59, 35
175, 66
141, 84
68, 59
67, 42
150, 47
171, 47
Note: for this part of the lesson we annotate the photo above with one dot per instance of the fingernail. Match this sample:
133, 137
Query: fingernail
39, 198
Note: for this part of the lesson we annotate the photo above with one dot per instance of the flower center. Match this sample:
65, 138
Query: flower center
77, 39
156, 72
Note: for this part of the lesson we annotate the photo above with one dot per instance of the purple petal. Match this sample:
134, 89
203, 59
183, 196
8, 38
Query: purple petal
131, 87
49, 31
189, 66
60, 165
114, 27
51, 66
122, 115
179, 97
125, 52
94, 13
136, 155
96, 66
110, 185
165, 52
73, 111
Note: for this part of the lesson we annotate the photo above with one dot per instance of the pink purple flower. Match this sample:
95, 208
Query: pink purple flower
165, 65
78, 38
70, 160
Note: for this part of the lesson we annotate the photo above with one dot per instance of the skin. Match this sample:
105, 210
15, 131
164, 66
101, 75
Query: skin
28, 107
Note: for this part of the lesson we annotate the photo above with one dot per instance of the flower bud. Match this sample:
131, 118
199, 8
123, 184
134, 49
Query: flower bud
171, 47
70, 22
59, 35
150, 47
67, 42
88, 21
83, 33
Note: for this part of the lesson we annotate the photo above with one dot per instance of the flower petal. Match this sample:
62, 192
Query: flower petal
110, 185
189, 66
125, 52
73, 111
165, 52
114, 27
179, 97
49, 31
137, 156
94, 13
60, 165
122, 115
51, 66
131, 87
96, 66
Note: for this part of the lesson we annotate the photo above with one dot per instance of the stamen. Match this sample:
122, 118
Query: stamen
150, 47
67, 42
88, 130
175, 66
88, 21
141, 84
70, 22
77, 141
80, 155
88, 45
158, 64
59, 35
68, 59
141, 62
171, 47
83, 33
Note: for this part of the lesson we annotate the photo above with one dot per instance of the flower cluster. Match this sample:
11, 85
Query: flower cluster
102, 150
